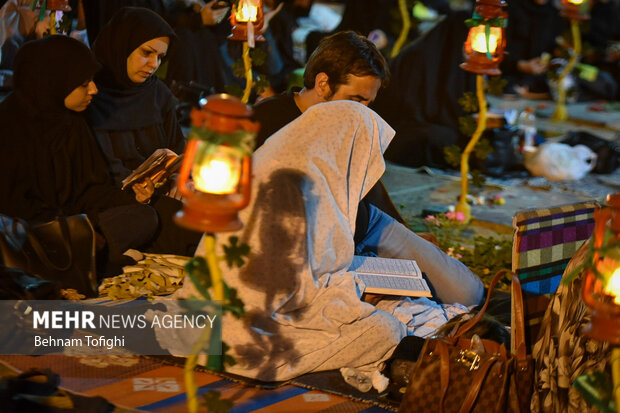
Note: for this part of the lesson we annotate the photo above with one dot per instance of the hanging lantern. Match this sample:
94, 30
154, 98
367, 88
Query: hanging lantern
576, 9
486, 41
54, 5
218, 159
246, 20
601, 288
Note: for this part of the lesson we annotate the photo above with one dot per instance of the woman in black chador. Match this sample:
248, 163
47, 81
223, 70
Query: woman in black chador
134, 112
52, 164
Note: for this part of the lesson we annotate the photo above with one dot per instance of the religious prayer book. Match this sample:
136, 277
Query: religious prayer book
390, 276
158, 167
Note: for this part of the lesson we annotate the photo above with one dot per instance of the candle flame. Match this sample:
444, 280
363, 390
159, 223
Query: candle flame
219, 173
576, 2
613, 286
246, 12
479, 43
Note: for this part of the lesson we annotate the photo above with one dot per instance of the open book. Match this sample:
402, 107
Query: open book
158, 168
390, 276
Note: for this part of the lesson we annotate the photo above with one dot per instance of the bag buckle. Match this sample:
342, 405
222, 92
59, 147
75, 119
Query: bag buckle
469, 359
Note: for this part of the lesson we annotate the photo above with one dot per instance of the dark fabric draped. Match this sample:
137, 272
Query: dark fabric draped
532, 30
52, 163
421, 101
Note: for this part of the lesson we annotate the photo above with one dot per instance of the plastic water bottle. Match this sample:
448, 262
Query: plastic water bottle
527, 128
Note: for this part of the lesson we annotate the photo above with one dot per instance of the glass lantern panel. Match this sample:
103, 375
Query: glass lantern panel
478, 39
217, 169
247, 10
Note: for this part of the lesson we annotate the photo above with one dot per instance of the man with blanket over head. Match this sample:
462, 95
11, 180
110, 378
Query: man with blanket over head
304, 311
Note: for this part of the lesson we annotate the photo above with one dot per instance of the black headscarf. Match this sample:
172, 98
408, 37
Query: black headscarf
122, 104
51, 162
47, 70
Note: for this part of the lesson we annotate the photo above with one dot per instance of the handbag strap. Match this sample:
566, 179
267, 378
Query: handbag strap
40, 251
444, 371
518, 323
476, 384
473, 321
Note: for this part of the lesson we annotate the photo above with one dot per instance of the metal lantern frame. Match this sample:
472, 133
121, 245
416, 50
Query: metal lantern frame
223, 121
605, 321
489, 16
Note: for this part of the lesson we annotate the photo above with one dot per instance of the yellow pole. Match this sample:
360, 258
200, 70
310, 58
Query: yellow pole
218, 295
560, 113
53, 22
402, 37
615, 374
462, 205
247, 65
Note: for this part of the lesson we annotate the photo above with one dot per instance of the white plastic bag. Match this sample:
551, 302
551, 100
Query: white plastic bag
560, 162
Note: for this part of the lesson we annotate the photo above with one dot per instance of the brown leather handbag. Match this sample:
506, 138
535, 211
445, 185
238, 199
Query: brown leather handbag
453, 374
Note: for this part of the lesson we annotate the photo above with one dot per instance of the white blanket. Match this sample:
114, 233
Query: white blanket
303, 308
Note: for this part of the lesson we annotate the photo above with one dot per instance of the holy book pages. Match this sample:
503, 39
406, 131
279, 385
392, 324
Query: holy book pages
390, 276
158, 167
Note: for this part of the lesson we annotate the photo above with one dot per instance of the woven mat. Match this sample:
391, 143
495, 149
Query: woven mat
156, 385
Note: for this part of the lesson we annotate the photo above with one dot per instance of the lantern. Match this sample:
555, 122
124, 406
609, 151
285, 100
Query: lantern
218, 159
54, 5
576, 9
246, 19
484, 47
601, 288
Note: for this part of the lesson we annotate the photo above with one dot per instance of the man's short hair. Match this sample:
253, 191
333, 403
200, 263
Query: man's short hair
343, 54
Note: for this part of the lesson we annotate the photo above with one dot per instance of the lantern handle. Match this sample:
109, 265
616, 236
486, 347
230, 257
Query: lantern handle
188, 159
246, 176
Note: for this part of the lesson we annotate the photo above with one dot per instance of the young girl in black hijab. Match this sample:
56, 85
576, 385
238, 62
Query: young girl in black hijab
134, 112
52, 164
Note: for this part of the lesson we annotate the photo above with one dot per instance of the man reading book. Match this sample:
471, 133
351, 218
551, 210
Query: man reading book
347, 66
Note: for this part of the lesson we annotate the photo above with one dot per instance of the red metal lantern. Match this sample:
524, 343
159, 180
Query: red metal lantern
486, 41
602, 292
247, 19
218, 158
576, 9
54, 5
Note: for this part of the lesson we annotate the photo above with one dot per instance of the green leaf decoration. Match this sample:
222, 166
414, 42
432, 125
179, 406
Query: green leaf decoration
478, 20
240, 139
496, 85
234, 90
235, 253
214, 402
261, 83
199, 274
258, 56
597, 389
228, 359
238, 69
477, 178
469, 102
467, 125
483, 149
233, 303
452, 155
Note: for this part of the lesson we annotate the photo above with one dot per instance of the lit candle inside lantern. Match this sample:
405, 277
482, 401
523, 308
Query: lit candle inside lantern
218, 173
247, 12
576, 2
479, 43
613, 286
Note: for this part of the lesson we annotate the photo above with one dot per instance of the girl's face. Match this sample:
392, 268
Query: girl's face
145, 60
79, 99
